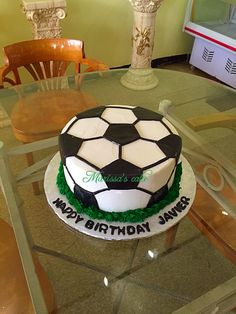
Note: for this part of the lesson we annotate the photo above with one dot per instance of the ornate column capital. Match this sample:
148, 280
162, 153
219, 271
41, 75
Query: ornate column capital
146, 6
45, 17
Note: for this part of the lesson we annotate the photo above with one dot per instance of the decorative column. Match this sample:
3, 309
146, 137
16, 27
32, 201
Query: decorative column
45, 17
140, 75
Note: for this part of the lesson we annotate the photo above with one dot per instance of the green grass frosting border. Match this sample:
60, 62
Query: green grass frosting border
132, 216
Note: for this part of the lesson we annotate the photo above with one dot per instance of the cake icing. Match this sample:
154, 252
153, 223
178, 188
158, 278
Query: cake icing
118, 159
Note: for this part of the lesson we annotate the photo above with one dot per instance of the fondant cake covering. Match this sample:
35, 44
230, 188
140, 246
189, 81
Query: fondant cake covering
119, 158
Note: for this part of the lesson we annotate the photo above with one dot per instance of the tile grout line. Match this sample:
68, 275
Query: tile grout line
118, 302
66, 258
162, 291
140, 266
122, 275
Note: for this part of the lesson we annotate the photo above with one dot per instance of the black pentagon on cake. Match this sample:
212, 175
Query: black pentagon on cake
158, 196
91, 113
171, 146
69, 145
121, 133
145, 114
86, 197
121, 175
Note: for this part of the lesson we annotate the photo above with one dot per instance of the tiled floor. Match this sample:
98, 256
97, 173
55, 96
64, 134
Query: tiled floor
88, 275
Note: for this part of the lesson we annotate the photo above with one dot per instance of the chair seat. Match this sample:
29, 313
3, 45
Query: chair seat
14, 296
51, 109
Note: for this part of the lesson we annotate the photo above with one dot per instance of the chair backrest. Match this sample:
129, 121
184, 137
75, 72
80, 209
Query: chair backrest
43, 58
8, 184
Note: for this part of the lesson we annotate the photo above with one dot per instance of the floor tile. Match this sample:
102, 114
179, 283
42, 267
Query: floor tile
102, 301
186, 232
78, 289
187, 271
47, 231
139, 300
50, 233
110, 257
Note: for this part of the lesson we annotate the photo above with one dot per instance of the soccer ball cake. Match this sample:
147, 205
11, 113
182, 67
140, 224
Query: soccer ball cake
119, 158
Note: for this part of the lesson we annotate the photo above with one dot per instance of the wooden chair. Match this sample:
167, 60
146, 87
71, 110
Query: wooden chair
15, 296
39, 287
215, 120
224, 239
45, 58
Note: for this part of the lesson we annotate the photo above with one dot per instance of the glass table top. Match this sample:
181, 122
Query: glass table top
134, 276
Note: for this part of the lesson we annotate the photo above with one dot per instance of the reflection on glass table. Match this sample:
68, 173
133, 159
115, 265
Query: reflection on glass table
88, 274
213, 25
219, 17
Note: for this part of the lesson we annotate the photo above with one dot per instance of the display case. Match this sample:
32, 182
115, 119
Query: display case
213, 24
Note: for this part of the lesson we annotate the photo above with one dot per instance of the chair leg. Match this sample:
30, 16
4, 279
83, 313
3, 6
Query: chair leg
13, 278
170, 236
30, 161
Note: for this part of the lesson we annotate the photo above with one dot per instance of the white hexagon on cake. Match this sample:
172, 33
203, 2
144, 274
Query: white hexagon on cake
119, 158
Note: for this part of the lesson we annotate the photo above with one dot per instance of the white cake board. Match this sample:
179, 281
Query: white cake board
158, 223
